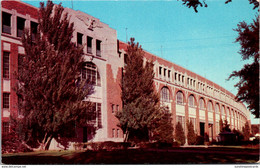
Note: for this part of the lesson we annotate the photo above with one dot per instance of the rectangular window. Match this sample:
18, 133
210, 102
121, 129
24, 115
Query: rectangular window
182, 79
181, 120
117, 108
193, 120
20, 26
188, 81
160, 70
164, 72
99, 115
98, 47
117, 133
6, 61
34, 27
169, 73
6, 100
6, 23
113, 108
179, 77
6, 128
113, 133
175, 78
89, 45
79, 39
125, 58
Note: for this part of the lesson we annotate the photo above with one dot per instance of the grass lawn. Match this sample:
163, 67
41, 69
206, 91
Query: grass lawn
195, 155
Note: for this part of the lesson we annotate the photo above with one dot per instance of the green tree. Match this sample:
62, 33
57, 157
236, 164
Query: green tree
246, 131
202, 3
191, 136
49, 86
248, 85
141, 105
162, 130
179, 134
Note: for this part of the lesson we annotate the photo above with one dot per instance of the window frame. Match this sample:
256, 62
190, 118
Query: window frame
6, 23
6, 65
6, 100
179, 98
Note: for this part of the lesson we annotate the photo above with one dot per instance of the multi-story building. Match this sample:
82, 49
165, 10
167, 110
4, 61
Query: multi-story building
188, 96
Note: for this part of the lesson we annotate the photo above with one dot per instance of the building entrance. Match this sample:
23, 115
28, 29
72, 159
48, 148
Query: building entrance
202, 129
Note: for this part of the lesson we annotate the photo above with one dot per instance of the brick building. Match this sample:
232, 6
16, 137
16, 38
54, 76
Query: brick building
188, 96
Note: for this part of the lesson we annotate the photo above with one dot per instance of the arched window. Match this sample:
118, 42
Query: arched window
191, 101
165, 94
210, 106
217, 108
179, 97
223, 110
90, 73
202, 103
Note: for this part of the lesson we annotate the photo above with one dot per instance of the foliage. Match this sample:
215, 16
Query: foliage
199, 140
49, 87
239, 135
248, 86
246, 131
141, 106
202, 3
191, 136
179, 134
225, 127
255, 128
163, 129
12, 141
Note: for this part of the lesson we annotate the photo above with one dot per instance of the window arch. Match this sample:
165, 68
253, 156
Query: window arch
165, 94
223, 110
217, 108
90, 73
191, 101
202, 103
210, 106
179, 97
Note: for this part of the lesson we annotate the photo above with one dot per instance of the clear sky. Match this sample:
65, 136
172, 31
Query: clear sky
202, 42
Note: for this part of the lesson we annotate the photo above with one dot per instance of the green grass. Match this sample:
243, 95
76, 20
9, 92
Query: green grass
138, 156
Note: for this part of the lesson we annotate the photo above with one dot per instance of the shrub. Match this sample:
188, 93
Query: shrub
191, 133
12, 144
199, 140
179, 134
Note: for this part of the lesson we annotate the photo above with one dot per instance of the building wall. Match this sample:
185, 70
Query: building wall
234, 112
109, 63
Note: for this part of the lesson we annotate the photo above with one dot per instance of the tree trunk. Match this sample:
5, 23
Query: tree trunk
126, 136
44, 142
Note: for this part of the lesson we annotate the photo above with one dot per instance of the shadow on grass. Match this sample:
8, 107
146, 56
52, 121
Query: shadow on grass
131, 156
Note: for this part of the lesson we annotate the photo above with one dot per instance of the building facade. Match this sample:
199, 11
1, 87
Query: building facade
187, 95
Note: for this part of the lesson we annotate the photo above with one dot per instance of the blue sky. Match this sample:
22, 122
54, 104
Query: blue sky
202, 42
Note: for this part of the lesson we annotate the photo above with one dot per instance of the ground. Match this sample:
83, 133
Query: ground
189, 155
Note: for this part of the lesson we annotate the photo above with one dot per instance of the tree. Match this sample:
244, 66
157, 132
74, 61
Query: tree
202, 3
225, 127
191, 136
162, 130
141, 105
248, 85
49, 87
255, 128
246, 131
179, 134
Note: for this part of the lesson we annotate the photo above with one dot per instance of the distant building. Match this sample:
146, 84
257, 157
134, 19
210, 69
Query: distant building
188, 96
